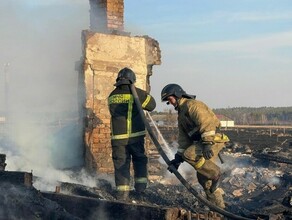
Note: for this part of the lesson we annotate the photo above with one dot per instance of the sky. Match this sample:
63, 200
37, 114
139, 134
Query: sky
228, 53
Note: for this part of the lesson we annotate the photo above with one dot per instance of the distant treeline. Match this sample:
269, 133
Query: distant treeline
248, 115
258, 116
240, 115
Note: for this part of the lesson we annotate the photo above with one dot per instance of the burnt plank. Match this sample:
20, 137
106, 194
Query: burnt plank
14, 177
90, 208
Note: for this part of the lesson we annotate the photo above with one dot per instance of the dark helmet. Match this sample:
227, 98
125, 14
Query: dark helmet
172, 89
125, 76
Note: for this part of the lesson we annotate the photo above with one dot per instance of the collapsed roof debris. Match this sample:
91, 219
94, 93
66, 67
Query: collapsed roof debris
254, 187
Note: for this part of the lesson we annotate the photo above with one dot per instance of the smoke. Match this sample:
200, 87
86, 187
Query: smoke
41, 42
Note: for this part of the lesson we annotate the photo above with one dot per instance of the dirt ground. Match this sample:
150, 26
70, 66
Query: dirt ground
257, 188
257, 176
254, 188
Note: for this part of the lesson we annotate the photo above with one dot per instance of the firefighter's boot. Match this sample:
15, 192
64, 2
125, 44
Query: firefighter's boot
122, 195
140, 191
140, 187
216, 197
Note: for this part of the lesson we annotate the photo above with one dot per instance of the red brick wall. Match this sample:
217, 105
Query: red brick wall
106, 15
104, 56
115, 14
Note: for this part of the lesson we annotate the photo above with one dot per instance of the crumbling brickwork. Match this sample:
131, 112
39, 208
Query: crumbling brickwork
115, 14
104, 55
106, 15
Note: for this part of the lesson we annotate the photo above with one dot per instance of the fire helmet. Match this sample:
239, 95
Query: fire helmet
172, 90
126, 76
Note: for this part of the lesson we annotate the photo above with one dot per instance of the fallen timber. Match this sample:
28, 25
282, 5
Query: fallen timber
272, 157
92, 208
28, 202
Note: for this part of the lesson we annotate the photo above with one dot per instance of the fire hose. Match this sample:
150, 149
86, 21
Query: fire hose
172, 168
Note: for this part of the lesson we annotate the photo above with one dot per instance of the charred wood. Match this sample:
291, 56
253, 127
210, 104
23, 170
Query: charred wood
271, 157
90, 208
2, 162
17, 178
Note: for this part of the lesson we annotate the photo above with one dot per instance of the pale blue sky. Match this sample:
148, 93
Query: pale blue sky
229, 53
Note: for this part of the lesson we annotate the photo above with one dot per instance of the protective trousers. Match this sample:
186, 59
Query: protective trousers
208, 173
122, 157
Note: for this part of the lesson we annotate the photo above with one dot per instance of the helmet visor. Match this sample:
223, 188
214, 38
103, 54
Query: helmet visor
164, 97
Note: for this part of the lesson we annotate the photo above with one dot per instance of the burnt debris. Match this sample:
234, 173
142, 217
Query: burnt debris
257, 182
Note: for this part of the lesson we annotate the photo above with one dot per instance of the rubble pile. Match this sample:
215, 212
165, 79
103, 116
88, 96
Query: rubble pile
254, 188
259, 188
257, 182
21, 202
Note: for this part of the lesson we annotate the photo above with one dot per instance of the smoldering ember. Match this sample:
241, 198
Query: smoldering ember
257, 183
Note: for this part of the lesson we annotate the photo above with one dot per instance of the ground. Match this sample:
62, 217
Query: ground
254, 187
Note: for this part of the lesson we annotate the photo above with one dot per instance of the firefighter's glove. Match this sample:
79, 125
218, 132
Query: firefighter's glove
175, 162
207, 151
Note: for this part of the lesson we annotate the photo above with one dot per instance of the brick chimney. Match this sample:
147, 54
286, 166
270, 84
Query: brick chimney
106, 15
107, 49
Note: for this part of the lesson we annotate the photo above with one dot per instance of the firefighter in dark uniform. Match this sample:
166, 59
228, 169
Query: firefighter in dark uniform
128, 133
199, 140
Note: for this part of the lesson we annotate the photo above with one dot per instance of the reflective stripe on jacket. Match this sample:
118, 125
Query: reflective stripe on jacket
127, 125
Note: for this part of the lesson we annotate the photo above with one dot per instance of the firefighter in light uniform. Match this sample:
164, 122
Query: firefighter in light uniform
199, 144
128, 133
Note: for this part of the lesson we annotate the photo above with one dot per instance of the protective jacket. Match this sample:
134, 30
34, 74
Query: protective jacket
197, 125
196, 122
127, 126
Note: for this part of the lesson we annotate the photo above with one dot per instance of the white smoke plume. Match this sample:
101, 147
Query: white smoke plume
40, 48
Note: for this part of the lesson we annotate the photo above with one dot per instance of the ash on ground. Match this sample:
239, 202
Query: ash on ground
256, 180
253, 187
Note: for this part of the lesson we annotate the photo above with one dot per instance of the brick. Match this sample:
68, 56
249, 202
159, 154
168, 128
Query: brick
105, 55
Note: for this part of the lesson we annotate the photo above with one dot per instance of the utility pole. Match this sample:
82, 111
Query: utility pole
6, 94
